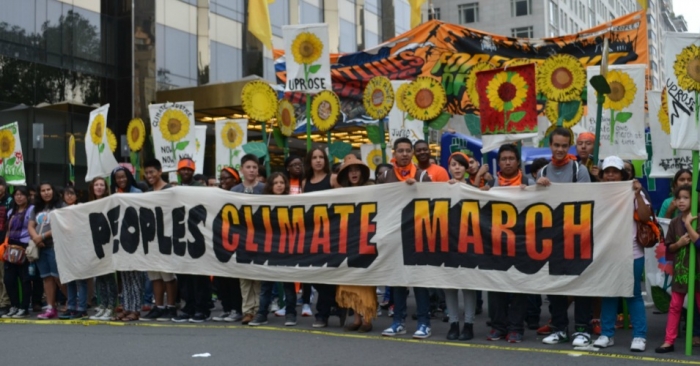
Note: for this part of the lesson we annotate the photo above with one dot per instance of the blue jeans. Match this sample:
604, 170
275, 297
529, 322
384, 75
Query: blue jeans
290, 298
148, 290
635, 304
422, 295
77, 295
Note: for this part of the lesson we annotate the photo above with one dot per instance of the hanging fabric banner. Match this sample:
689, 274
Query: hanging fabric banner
623, 123
665, 161
556, 240
172, 128
100, 160
200, 142
682, 54
401, 124
230, 136
309, 64
11, 156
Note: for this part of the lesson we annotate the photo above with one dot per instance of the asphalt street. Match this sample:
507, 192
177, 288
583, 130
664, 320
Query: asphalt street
90, 343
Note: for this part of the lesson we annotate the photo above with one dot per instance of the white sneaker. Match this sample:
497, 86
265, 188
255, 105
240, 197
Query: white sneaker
556, 338
638, 344
581, 339
221, 317
98, 314
275, 306
106, 315
21, 313
281, 312
306, 310
604, 342
233, 317
11, 313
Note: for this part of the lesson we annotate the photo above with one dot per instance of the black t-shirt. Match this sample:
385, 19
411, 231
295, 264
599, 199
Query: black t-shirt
322, 185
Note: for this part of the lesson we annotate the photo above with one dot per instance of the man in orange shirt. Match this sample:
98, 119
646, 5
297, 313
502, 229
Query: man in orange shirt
435, 172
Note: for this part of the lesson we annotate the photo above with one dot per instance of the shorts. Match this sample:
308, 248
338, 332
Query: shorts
47, 263
166, 277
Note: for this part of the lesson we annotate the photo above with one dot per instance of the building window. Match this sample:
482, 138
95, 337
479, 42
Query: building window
468, 13
652, 35
522, 32
436, 13
553, 14
651, 20
654, 67
520, 8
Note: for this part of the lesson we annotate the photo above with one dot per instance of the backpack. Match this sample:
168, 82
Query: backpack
575, 169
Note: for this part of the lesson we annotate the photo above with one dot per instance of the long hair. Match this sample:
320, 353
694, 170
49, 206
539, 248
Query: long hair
40, 204
270, 183
309, 170
91, 189
130, 181
14, 206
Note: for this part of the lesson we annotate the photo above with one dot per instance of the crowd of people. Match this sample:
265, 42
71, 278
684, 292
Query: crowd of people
155, 296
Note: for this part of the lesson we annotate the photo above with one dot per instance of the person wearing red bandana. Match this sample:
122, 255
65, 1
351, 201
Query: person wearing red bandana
565, 169
584, 150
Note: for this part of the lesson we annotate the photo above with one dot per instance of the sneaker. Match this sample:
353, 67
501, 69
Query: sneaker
514, 337
68, 314
544, 330
222, 317
154, 314
423, 332
281, 312
290, 320
581, 339
168, 314
200, 318
106, 315
247, 319
48, 314
638, 344
4, 310
495, 335
390, 313
98, 314
260, 319
556, 338
604, 342
306, 310
146, 308
10, 313
595, 326
181, 318
23, 313
275, 306
394, 329
234, 317
320, 323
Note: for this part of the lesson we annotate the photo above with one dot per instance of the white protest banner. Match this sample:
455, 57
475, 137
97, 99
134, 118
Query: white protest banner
372, 156
230, 136
172, 128
556, 240
665, 161
200, 142
306, 54
100, 159
682, 87
658, 272
401, 124
623, 123
11, 156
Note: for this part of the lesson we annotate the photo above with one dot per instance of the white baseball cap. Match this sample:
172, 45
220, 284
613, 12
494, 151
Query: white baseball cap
613, 162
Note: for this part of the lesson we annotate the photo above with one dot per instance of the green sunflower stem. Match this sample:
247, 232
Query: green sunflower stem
612, 126
267, 144
426, 131
691, 265
172, 147
600, 99
308, 113
328, 143
697, 113
230, 158
382, 145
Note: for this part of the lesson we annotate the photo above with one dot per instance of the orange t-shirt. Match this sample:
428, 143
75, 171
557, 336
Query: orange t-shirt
294, 186
437, 173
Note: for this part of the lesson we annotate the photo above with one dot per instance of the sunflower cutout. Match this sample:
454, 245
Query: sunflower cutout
71, 149
286, 119
232, 137
174, 125
136, 134
97, 129
471, 82
306, 48
399, 97
325, 110
506, 91
374, 158
663, 114
259, 101
551, 110
425, 98
561, 78
622, 90
687, 68
378, 97
111, 140
519, 62
7, 144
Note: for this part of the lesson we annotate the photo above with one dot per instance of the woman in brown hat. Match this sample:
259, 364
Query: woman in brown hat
362, 299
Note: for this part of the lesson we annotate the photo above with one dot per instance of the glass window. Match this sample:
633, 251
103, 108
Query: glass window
652, 35
232, 9
310, 14
176, 66
348, 37
520, 7
468, 13
651, 21
553, 13
522, 32
226, 62
436, 13
372, 6
371, 39
279, 16
654, 66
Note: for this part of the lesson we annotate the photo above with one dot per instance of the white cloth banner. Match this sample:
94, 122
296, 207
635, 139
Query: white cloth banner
200, 142
173, 131
401, 124
100, 160
11, 156
624, 106
306, 54
554, 240
658, 271
230, 136
665, 161
682, 101
372, 156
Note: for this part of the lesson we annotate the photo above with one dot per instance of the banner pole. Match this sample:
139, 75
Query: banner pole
691, 264
600, 99
382, 145
308, 123
267, 145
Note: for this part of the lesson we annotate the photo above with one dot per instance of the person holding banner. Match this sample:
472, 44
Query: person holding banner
5, 202
106, 285
479, 175
18, 273
613, 171
362, 299
40, 232
458, 163
405, 171
77, 290
565, 169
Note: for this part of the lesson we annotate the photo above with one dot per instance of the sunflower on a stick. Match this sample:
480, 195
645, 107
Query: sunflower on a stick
687, 70
260, 104
622, 92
